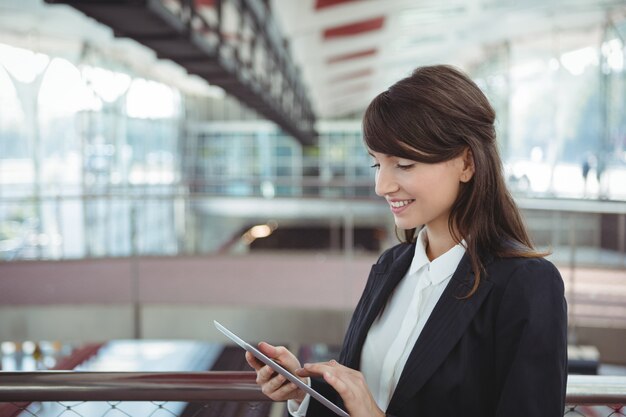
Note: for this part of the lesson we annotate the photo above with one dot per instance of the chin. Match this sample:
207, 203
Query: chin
406, 225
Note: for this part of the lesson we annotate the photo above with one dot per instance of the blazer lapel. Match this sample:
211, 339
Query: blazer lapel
387, 276
442, 331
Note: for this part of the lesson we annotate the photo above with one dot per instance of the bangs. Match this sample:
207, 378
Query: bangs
400, 128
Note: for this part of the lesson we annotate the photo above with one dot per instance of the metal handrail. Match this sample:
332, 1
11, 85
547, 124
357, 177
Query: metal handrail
129, 386
206, 386
172, 191
596, 389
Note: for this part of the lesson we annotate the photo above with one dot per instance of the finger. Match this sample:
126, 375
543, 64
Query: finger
276, 382
341, 386
330, 364
270, 387
253, 362
288, 390
281, 355
274, 352
267, 349
308, 372
264, 374
317, 369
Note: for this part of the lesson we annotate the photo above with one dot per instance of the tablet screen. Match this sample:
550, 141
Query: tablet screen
275, 366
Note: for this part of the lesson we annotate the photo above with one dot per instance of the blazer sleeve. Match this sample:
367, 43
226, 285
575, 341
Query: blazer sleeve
531, 343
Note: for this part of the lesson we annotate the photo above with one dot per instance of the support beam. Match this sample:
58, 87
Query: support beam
234, 55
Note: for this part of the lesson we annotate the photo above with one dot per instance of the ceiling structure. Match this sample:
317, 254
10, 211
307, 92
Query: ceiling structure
235, 45
345, 51
232, 44
350, 50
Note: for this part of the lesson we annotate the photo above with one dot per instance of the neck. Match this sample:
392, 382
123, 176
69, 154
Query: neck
439, 242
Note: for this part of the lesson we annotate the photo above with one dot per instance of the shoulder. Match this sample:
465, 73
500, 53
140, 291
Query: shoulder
536, 265
527, 275
528, 295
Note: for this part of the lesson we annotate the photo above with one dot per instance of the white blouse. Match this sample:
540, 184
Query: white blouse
393, 334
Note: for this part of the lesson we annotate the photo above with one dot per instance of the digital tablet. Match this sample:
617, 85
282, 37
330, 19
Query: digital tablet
275, 366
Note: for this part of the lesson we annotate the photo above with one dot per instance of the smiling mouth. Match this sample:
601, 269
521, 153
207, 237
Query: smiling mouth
398, 204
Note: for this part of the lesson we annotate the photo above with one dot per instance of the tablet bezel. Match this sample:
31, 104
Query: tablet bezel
278, 368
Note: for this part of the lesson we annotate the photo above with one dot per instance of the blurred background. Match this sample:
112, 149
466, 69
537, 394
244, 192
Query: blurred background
165, 163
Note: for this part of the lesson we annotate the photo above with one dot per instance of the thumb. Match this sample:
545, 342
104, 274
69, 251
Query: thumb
279, 354
268, 350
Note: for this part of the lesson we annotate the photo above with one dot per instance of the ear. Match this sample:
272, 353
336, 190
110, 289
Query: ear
468, 165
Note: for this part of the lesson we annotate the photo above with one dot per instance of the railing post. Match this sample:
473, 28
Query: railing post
572, 336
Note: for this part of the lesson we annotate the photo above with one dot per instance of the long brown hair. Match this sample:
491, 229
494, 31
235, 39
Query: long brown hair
433, 116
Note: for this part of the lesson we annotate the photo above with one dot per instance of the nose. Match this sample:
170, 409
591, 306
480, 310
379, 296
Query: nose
385, 182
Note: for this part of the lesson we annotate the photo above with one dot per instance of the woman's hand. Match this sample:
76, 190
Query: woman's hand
274, 385
349, 384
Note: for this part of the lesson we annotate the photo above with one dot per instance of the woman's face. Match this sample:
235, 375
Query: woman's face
419, 193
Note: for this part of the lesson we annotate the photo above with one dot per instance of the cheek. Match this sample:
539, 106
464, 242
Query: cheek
444, 187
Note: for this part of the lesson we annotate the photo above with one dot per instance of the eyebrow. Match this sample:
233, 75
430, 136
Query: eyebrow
384, 155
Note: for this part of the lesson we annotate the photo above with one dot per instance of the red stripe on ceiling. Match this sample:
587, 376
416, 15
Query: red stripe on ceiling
320, 4
352, 75
352, 29
353, 55
358, 88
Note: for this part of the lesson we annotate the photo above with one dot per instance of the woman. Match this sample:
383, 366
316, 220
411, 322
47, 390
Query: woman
463, 317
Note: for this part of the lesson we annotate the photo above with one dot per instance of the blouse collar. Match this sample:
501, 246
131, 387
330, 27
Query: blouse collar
441, 268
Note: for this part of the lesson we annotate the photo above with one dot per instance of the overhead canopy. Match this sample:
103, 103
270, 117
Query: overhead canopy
351, 50
232, 44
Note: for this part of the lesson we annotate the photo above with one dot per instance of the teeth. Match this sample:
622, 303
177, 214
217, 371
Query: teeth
397, 204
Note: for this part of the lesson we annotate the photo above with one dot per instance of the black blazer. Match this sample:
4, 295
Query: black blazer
501, 352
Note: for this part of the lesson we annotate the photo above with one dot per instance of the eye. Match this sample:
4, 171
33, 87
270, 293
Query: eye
405, 167
375, 166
